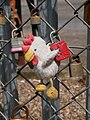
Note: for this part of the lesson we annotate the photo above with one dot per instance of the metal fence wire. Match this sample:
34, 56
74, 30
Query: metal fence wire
29, 85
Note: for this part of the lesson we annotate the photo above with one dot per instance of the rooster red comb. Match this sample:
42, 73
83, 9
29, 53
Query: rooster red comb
27, 42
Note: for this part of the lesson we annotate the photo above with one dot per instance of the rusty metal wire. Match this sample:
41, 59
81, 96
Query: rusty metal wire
74, 96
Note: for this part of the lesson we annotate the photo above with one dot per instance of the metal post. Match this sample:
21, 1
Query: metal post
48, 11
8, 69
21, 60
34, 27
88, 78
87, 19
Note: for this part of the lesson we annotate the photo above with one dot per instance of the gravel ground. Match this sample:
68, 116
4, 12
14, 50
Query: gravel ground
73, 111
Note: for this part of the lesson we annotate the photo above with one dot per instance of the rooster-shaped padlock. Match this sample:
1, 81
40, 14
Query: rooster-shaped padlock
42, 58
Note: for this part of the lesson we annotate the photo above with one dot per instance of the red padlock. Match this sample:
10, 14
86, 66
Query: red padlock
63, 50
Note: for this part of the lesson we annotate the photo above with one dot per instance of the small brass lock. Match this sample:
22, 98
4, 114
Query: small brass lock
17, 108
35, 18
52, 92
16, 43
76, 68
40, 87
2, 18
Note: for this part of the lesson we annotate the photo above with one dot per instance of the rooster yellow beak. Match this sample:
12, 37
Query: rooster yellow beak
29, 55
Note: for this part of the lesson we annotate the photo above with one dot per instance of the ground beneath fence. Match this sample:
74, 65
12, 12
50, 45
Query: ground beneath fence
71, 112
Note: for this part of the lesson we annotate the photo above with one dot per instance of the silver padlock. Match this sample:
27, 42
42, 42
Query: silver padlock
2, 18
35, 18
16, 43
76, 68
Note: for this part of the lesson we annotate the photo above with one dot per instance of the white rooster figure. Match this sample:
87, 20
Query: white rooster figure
41, 57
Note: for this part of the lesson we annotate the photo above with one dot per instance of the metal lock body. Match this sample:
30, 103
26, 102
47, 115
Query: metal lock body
52, 92
63, 50
35, 18
16, 43
2, 18
76, 69
17, 108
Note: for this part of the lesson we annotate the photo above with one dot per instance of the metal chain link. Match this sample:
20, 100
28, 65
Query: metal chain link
56, 32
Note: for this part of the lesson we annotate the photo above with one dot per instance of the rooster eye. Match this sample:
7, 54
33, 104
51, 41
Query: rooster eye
35, 49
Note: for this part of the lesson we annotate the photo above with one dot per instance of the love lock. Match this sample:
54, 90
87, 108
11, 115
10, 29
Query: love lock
40, 87
76, 68
63, 50
17, 108
35, 18
16, 43
52, 92
2, 18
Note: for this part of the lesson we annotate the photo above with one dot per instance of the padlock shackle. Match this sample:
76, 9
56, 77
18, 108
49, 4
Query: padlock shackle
53, 35
51, 82
77, 58
2, 12
34, 12
14, 30
12, 33
17, 108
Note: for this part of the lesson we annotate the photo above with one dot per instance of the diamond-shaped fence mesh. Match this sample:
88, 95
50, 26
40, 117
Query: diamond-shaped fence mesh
73, 92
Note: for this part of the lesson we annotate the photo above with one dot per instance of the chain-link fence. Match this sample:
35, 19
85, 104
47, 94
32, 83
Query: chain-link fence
17, 86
